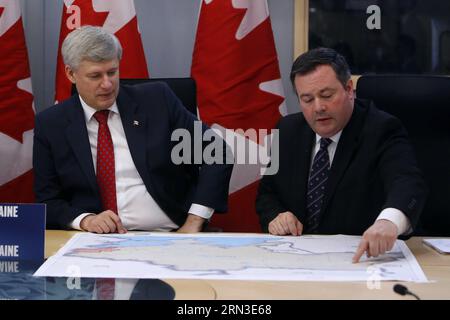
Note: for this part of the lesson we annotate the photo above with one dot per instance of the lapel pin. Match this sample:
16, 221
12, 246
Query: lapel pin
135, 123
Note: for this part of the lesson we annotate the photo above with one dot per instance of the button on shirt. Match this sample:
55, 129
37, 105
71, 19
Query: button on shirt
137, 208
394, 215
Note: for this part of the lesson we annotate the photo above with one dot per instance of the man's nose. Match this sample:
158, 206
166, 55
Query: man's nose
319, 105
106, 82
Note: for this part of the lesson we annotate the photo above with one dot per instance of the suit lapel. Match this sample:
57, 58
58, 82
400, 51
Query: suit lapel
135, 127
77, 136
347, 146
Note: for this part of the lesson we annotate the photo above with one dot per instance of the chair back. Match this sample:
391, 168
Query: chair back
422, 103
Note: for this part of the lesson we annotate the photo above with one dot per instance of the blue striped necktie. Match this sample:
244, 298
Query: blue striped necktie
317, 181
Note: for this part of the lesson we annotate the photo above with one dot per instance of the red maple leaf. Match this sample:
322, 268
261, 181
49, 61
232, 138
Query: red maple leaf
229, 71
17, 115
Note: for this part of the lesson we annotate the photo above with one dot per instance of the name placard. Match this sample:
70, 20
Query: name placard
22, 231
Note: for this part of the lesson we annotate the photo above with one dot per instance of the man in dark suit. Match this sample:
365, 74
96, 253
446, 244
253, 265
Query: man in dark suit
344, 166
102, 159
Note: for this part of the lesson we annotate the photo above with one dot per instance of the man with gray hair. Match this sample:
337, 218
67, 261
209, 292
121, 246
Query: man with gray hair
102, 158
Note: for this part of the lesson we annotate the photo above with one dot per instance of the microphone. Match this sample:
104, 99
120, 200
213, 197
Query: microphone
402, 290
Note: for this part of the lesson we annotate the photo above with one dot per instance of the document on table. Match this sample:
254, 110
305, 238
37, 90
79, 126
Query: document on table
440, 245
228, 257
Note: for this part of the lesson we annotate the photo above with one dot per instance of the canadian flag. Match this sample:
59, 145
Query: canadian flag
239, 86
116, 16
16, 108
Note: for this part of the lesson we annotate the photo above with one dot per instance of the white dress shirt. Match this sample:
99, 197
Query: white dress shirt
137, 208
392, 214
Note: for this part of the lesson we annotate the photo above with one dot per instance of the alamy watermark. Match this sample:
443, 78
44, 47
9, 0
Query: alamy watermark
374, 279
374, 20
73, 281
215, 146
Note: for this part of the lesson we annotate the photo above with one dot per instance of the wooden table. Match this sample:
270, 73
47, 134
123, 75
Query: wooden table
435, 266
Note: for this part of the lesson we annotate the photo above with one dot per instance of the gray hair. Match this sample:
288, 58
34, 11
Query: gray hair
92, 44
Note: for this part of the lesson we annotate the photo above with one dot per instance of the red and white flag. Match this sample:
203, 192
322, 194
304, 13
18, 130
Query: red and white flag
16, 108
116, 16
235, 66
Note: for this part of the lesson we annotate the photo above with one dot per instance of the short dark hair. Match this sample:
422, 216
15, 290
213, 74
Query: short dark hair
310, 60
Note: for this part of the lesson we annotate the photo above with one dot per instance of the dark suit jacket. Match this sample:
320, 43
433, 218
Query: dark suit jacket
64, 172
374, 167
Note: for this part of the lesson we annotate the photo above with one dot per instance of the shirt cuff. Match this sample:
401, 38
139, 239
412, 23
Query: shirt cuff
201, 211
76, 223
398, 218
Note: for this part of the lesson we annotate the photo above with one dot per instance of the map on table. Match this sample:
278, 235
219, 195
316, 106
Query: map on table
227, 256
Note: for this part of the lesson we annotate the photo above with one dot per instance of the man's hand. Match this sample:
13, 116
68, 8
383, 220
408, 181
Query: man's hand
105, 222
378, 239
286, 223
192, 224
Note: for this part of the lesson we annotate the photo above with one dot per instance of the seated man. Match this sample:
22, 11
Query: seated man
102, 159
345, 167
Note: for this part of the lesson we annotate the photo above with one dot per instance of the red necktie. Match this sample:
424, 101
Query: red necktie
106, 180
106, 175
105, 288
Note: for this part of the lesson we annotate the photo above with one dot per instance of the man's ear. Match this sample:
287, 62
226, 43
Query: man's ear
69, 73
349, 88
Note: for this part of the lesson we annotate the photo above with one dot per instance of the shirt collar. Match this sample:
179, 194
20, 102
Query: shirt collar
89, 111
334, 138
